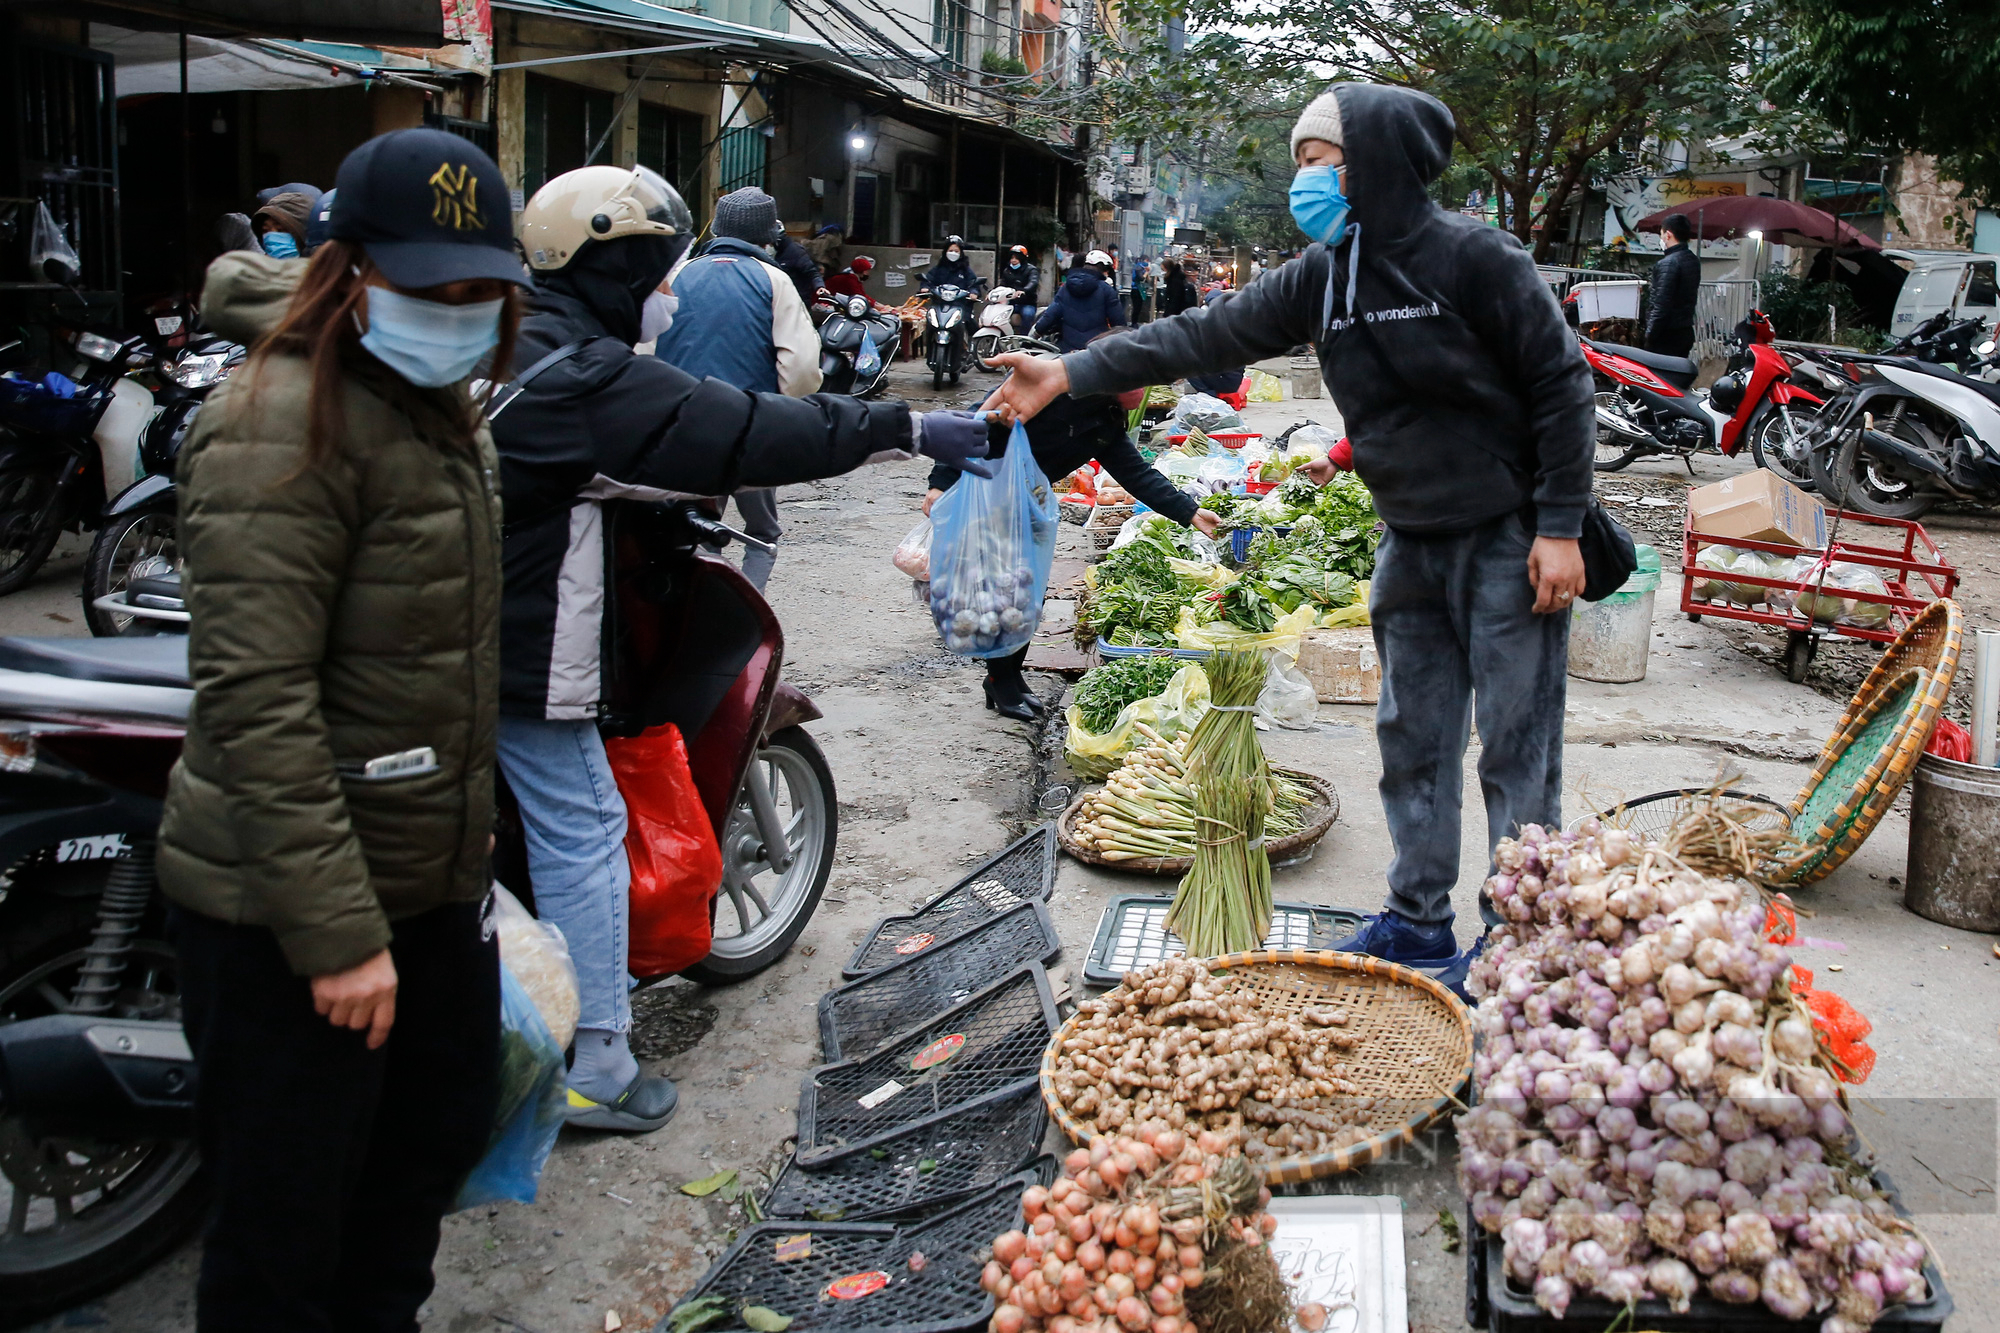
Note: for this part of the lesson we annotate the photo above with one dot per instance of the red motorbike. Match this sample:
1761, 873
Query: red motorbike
1646, 404
99, 1174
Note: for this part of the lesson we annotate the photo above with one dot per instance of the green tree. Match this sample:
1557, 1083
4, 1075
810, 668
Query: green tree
1546, 93
1920, 74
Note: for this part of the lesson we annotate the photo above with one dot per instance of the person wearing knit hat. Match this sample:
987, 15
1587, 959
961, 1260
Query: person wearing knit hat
1469, 415
747, 214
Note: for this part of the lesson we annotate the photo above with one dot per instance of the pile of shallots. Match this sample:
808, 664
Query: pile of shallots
1654, 1115
1125, 1235
1195, 1050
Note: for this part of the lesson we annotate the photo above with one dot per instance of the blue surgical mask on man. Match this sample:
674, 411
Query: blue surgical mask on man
429, 343
1318, 206
281, 245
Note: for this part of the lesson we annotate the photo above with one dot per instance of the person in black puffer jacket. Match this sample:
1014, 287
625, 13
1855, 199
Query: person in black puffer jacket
1064, 436
1085, 308
1671, 290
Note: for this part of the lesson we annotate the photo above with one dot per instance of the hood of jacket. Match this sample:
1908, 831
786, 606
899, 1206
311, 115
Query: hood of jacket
612, 279
247, 292
1082, 282
1397, 141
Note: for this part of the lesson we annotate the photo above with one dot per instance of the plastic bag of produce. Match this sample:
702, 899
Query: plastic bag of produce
1265, 388
913, 553
1206, 413
538, 956
1219, 634
1171, 712
676, 863
994, 540
1836, 600
1714, 560
529, 1113
1288, 698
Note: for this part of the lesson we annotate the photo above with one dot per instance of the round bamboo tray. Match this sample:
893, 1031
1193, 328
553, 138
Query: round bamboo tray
1415, 1055
1319, 817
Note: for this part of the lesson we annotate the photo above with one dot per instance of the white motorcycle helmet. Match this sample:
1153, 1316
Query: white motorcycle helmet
599, 204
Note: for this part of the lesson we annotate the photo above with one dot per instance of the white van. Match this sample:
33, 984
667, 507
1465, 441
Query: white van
1965, 284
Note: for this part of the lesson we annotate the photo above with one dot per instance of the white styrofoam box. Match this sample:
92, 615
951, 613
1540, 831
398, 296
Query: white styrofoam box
1613, 299
1346, 1252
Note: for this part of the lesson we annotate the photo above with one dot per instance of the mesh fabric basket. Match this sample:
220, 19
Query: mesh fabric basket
856, 1018
1415, 1052
925, 1163
992, 1041
1024, 871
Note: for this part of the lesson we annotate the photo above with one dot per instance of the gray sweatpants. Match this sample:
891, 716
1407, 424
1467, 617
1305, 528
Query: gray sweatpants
1455, 630
759, 511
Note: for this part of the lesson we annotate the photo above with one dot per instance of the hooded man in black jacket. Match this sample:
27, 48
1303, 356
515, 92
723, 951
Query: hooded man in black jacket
604, 424
1469, 409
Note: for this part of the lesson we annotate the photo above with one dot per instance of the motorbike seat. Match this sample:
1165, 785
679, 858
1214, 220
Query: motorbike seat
1677, 370
159, 660
1990, 392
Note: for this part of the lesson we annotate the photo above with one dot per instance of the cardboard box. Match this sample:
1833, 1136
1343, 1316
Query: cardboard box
1760, 506
1342, 665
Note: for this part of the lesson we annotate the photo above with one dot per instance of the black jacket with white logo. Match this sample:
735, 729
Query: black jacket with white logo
1464, 393
606, 424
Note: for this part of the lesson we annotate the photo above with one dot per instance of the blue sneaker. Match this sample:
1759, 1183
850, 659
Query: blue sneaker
1454, 976
1429, 948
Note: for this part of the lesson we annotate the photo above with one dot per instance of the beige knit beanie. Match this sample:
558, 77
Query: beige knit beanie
1320, 121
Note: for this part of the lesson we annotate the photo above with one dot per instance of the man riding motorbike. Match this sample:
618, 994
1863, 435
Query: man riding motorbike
600, 424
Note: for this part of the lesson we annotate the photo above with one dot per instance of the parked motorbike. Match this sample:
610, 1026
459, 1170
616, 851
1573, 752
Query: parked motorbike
131, 583
856, 344
1910, 434
99, 1174
947, 333
63, 441
996, 324
1646, 403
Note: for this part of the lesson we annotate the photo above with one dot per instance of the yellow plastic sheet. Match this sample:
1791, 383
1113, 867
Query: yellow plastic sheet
1349, 617
1170, 712
1225, 637
1265, 388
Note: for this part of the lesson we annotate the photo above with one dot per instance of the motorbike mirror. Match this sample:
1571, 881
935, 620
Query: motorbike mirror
1985, 348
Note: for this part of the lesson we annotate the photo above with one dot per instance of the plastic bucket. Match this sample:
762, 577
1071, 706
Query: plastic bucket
1609, 640
1954, 844
1305, 377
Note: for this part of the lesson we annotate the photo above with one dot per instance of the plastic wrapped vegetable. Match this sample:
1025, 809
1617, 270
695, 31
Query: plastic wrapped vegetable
913, 553
529, 1113
538, 956
1204, 412
993, 540
1837, 600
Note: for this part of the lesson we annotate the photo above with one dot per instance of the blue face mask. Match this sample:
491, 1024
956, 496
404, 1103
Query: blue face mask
1318, 206
281, 245
428, 343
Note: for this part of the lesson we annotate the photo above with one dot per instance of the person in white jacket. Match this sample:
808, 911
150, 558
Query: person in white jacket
740, 320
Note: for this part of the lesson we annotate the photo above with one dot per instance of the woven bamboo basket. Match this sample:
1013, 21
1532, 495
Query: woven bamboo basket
1415, 1054
1862, 770
1319, 817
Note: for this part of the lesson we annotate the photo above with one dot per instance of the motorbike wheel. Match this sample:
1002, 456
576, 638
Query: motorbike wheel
1866, 486
1778, 439
761, 910
937, 380
28, 531
1615, 451
131, 546
84, 1216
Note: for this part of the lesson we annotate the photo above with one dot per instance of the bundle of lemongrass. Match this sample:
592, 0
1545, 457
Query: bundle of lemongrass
1224, 902
1146, 808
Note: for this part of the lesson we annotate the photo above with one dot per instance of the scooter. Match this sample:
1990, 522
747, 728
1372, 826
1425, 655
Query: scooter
947, 340
1646, 403
1911, 434
996, 324
131, 582
856, 344
99, 1173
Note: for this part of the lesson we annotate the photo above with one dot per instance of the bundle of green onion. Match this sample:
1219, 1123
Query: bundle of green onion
1146, 807
1224, 902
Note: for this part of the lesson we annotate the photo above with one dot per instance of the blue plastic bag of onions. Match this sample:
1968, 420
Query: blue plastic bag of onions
992, 542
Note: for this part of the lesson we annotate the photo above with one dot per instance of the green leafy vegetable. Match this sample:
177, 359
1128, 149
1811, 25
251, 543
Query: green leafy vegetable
766, 1321
1105, 690
708, 1185
689, 1316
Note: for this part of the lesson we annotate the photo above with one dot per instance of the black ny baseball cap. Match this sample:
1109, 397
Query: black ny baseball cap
429, 208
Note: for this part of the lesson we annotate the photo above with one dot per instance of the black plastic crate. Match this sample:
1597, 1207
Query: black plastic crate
1023, 871
1132, 933
1494, 1304
992, 1041
856, 1018
923, 1165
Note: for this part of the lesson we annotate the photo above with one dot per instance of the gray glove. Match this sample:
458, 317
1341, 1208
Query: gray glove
955, 439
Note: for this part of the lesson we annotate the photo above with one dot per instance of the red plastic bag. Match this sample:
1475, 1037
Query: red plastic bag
1840, 1024
676, 864
1950, 741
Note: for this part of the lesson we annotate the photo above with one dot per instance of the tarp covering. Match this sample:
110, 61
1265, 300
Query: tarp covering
149, 62
418, 23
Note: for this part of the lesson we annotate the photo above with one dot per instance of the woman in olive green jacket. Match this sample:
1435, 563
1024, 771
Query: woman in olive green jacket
326, 831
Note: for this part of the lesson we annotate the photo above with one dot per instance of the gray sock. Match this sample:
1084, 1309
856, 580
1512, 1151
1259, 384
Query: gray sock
604, 1066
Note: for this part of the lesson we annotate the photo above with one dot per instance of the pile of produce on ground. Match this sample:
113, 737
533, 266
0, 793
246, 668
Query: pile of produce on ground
1658, 1114
1191, 1048
1104, 691
1147, 808
1135, 594
1335, 525
1158, 1231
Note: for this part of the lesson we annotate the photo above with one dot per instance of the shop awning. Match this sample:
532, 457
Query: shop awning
149, 62
414, 23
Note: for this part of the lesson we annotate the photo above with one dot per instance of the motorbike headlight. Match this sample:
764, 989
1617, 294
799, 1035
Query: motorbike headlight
857, 307
198, 372
953, 318
96, 347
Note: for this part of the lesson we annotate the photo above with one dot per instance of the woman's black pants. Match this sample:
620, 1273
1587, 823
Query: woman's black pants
333, 1164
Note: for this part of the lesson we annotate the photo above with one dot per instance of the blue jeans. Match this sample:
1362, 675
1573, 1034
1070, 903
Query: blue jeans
575, 822
1457, 633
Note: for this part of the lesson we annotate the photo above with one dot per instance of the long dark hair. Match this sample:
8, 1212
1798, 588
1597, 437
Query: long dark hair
320, 327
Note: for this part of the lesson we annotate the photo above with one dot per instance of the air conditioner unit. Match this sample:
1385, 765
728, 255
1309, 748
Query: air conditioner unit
913, 177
